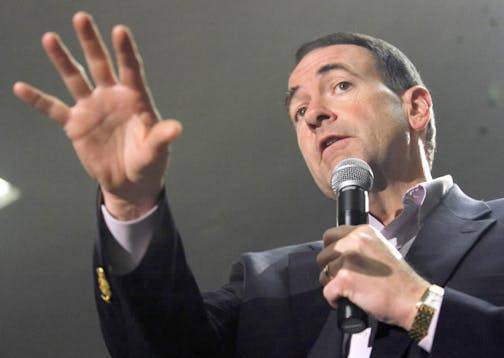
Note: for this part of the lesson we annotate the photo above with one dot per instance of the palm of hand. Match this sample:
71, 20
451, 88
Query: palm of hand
110, 132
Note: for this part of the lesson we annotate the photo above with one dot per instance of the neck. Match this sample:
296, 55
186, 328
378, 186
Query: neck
386, 200
387, 204
393, 181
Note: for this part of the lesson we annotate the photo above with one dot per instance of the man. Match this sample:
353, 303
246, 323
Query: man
350, 96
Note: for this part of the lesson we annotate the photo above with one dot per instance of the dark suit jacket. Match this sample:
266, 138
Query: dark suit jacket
273, 304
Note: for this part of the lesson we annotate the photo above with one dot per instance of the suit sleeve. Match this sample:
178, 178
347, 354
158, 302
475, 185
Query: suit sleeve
157, 309
468, 327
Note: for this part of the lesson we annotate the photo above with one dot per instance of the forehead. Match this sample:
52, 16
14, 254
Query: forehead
356, 59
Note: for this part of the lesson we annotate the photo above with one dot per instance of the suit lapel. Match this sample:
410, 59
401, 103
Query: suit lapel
446, 236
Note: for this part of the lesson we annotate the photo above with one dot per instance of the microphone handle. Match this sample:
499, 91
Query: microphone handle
352, 209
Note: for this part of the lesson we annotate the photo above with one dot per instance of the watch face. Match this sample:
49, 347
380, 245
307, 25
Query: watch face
434, 296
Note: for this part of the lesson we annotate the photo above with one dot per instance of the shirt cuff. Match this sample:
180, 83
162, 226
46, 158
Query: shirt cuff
131, 239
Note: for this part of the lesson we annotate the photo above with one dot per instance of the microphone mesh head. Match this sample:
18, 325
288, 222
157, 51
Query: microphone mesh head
351, 172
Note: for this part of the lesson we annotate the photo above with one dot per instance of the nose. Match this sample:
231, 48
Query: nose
317, 113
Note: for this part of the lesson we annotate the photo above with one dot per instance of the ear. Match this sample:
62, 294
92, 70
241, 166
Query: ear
418, 105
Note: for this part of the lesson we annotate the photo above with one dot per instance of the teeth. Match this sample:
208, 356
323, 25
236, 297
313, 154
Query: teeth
331, 141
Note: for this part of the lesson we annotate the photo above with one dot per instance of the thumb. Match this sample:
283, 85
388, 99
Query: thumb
164, 132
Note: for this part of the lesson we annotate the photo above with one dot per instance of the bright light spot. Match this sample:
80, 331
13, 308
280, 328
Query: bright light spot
8, 193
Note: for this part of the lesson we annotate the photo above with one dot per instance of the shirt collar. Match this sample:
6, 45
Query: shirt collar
435, 190
418, 203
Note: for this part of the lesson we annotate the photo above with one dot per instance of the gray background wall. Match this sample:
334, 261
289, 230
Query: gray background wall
236, 182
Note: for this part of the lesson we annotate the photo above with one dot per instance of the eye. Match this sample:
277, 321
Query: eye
343, 86
300, 112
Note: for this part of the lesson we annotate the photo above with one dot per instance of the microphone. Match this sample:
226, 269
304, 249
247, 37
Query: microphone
351, 180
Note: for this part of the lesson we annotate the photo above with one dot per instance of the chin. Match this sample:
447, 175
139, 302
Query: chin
327, 190
330, 194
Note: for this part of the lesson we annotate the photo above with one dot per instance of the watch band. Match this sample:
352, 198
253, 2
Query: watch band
426, 308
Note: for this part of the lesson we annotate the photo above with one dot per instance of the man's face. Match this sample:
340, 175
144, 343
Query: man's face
341, 109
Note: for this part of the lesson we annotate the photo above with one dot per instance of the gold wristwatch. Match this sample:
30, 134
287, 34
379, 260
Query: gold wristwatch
426, 308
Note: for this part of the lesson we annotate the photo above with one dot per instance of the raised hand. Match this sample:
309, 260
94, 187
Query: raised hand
114, 126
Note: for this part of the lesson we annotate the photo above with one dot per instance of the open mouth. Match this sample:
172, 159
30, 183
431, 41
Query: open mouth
328, 142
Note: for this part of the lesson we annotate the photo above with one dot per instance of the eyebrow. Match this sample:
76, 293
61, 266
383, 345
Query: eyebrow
334, 66
321, 71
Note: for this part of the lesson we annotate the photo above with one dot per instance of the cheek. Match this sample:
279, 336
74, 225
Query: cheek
310, 155
305, 144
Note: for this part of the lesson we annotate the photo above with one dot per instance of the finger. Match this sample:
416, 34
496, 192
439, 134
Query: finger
341, 240
327, 255
336, 233
70, 70
130, 65
332, 294
326, 274
344, 240
97, 56
330, 238
164, 132
330, 271
43, 102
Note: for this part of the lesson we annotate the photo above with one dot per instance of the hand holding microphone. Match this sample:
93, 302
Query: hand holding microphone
360, 268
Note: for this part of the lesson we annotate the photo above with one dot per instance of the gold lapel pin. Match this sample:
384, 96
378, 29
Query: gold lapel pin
106, 294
